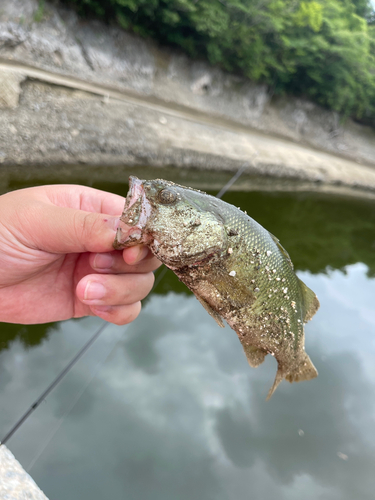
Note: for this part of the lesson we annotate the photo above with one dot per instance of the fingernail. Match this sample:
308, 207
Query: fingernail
101, 309
113, 222
94, 291
103, 261
143, 251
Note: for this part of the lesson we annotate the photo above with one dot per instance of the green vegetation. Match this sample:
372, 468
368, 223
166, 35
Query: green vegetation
39, 13
321, 49
28, 335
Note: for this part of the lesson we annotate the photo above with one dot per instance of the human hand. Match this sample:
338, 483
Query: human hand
57, 261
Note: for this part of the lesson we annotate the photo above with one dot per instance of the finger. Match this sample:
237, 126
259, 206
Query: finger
114, 289
57, 223
82, 231
85, 198
113, 263
132, 255
119, 315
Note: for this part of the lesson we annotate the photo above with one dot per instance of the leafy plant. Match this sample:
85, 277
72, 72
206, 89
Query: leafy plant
322, 49
39, 13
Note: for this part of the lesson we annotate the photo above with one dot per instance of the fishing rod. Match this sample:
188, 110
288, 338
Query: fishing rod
100, 330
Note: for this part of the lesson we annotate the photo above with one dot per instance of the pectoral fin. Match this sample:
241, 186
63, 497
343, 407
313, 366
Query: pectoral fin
210, 311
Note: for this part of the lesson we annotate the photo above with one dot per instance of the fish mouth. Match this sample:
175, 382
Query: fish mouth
135, 193
136, 213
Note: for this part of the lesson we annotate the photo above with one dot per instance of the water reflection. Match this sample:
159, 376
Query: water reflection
176, 412
29, 335
320, 232
168, 407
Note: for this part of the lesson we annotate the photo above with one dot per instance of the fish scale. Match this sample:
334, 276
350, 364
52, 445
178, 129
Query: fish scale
273, 278
237, 269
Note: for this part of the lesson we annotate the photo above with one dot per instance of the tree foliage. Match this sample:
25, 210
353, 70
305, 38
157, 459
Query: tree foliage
322, 49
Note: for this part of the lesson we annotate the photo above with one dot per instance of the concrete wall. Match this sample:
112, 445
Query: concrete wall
75, 92
15, 483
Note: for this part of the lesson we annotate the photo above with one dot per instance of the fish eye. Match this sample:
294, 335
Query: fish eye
167, 196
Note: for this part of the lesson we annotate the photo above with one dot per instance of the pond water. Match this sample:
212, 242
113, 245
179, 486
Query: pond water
167, 407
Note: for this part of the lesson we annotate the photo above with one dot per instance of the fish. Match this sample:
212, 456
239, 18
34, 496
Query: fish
237, 269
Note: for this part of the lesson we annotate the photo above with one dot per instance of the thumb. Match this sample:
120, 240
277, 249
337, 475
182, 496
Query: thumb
67, 230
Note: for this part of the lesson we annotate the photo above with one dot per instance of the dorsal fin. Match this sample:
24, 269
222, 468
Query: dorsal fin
282, 250
310, 302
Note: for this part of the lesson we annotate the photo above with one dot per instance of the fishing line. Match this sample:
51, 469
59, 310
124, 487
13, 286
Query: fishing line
82, 351
69, 409
239, 172
160, 277
35, 405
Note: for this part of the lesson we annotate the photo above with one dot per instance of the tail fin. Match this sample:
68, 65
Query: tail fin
280, 374
304, 371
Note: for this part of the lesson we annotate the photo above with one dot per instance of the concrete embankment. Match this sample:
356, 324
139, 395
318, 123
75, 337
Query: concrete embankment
79, 99
15, 483
81, 93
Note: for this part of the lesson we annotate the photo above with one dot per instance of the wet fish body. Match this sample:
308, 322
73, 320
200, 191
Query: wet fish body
235, 267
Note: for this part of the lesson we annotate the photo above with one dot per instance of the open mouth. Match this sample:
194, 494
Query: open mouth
135, 193
136, 213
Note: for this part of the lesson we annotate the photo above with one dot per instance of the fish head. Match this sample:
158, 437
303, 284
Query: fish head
173, 221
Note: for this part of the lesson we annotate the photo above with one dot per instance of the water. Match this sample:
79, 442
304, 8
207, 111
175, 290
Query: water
168, 408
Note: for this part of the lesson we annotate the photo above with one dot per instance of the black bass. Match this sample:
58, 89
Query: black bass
237, 269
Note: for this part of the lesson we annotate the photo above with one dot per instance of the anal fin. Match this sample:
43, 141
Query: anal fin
255, 356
